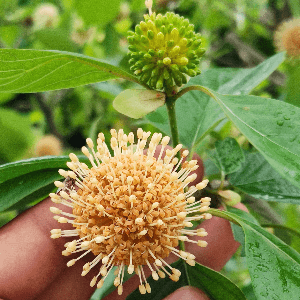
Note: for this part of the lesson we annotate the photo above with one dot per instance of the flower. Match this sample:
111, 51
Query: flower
45, 15
287, 37
48, 145
130, 209
164, 50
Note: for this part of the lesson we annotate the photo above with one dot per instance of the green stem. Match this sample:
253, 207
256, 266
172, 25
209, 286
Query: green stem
170, 102
193, 88
295, 232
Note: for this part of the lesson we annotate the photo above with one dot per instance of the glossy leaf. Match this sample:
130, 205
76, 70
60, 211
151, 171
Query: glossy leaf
22, 167
258, 179
33, 198
138, 103
198, 276
15, 189
272, 126
27, 71
197, 114
229, 154
274, 267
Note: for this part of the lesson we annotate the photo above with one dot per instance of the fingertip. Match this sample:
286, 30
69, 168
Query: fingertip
187, 293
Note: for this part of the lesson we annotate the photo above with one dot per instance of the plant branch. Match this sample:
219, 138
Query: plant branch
48, 115
170, 102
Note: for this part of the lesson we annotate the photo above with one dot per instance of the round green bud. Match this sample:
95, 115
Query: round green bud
167, 61
150, 34
164, 51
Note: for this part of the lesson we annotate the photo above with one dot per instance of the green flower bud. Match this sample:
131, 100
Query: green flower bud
164, 50
138, 29
150, 34
170, 43
231, 198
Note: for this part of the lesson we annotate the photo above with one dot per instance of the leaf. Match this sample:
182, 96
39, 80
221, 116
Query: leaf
15, 134
138, 103
15, 189
28, 71
230, 155
274, 267
272, 126
197, 114
97, 12
198, 276
22, 167
258, 179
34, 198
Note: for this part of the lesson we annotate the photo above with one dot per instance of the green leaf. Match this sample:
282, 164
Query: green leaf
97, 12
6, 217
22, 167
33, 198
272, 126
197, 114
28, 71
230, 155
15, 189
15, 134
138, 103
198, 276
258, 179
274, 267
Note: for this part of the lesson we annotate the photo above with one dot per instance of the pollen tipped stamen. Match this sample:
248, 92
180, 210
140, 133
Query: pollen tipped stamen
131, 194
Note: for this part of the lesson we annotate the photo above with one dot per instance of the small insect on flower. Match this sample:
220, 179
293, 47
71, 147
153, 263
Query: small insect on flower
130, 209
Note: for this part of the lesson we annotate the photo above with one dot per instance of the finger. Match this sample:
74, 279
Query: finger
30, 260
70, 284
187, 293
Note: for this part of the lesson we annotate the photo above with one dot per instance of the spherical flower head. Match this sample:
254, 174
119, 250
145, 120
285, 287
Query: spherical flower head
45, 15
164, 51
130, 208
48, 145
287, 38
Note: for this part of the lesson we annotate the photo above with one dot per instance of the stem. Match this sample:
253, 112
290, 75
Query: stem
170, 102
48, 115
172, 119
193, 88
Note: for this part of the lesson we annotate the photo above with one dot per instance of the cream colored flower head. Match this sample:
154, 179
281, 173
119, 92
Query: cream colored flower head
48, 145
45, 15
130, 209
287, 37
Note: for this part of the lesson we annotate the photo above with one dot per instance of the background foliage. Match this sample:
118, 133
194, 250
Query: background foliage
259, 131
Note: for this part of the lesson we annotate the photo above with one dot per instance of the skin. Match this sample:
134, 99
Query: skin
32, 267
